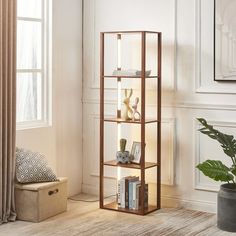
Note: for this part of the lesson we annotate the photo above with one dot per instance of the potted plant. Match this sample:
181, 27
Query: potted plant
216, 170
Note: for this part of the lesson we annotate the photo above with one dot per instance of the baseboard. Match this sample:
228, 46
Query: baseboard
166, 201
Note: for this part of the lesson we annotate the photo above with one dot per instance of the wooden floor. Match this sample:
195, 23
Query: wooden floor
86, 219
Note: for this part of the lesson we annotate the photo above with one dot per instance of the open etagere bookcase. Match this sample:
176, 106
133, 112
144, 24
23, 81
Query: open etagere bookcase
143, 166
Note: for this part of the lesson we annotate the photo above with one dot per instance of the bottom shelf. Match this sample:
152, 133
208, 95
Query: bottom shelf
114, 207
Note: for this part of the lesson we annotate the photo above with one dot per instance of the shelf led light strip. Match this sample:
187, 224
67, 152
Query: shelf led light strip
118, 99
119, 51
118, 78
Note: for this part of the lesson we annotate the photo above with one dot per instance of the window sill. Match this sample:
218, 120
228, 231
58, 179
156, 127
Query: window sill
32, 125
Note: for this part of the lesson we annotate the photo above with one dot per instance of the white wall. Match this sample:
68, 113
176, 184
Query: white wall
189, 91
62, 142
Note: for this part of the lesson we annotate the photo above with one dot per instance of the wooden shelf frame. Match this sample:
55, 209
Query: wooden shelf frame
119, 120
130, 165
143, 164
130, 77
114, 207
131, 32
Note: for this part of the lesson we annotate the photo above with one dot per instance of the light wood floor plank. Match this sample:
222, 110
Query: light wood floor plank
86, 219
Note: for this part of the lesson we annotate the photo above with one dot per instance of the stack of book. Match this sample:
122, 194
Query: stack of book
129, 192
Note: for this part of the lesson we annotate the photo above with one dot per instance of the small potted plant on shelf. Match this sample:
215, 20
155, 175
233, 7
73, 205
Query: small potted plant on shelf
216, 170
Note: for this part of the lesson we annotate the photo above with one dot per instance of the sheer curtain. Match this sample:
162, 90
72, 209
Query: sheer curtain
7, 108
29, 59
26, 97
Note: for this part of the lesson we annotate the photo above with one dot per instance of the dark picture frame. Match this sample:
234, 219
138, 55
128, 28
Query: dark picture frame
214, 47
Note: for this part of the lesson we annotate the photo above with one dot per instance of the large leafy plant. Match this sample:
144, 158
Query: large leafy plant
215, 169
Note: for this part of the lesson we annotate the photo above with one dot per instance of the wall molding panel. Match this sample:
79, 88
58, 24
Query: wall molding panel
204, 81
170, 124
204, 106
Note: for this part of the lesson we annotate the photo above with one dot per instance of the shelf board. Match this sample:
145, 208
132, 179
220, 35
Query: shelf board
131, 32
120, 120
130, 165
131, 77
114, 207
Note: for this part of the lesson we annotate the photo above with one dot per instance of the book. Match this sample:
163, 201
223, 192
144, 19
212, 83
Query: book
134, 194
130, 197
145, 196
137, 196
118, 193
128, 179
122, 193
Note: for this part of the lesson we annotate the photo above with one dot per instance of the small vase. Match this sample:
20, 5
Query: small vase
122, 157
226, 208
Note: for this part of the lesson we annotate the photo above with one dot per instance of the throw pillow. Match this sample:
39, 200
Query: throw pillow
32, 167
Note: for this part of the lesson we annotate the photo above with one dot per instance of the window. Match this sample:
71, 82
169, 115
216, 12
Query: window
33, 63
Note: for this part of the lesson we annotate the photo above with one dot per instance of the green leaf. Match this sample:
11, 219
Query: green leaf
216, 170
228, 143
233, 170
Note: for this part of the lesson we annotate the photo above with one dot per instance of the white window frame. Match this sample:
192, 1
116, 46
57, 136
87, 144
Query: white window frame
46, 70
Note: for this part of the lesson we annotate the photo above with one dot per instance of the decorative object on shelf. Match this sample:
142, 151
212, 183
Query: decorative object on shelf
135, 110
216, 170
132, 73
123, 156
128, 112
135, 154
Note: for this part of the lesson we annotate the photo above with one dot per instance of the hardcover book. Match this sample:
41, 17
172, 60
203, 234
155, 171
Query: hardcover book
135, 194
145, 196
122, 193
128, 179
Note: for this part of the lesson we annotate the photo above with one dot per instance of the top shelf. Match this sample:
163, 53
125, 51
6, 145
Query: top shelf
128, 76
131, 32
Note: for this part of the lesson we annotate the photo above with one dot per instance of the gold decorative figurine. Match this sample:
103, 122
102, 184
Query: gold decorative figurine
136, 113
128, 112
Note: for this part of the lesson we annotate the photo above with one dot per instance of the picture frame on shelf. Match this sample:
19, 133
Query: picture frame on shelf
136, 152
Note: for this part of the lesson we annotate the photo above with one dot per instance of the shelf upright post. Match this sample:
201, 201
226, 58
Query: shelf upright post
159, 53
101, 196
118, 101
118, 78
143, 88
